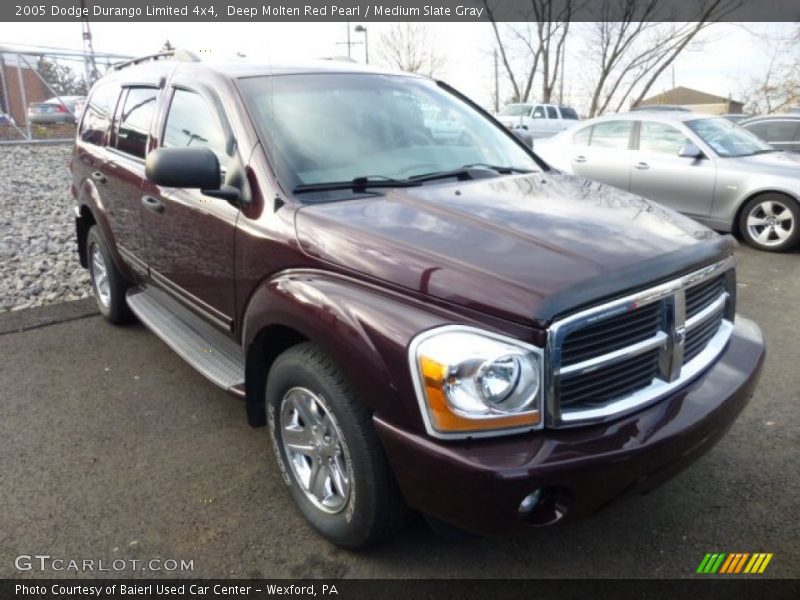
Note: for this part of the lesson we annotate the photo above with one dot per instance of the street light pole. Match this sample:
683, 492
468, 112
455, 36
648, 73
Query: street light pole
362, 29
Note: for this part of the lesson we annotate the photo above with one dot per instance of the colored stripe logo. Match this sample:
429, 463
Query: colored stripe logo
733, 563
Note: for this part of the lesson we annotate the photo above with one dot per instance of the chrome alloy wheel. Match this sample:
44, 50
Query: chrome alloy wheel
99, 273
770, 222
315, 449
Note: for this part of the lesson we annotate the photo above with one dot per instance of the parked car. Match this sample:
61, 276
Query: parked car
736, 117
539, 120
451, 328
706, 167
781, 131
54, 110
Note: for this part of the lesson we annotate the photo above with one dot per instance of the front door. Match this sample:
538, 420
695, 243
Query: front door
602, 153
190, 236
657, 172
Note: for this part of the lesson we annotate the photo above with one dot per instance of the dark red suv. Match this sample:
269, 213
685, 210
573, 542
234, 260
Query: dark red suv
424, 317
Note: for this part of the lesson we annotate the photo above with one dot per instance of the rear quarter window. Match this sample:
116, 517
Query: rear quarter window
568, 113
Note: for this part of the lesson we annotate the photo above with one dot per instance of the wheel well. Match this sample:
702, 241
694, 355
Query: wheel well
82, 226
735, 229
266, 347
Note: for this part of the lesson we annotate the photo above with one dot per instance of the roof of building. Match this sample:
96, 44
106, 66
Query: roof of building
683, 96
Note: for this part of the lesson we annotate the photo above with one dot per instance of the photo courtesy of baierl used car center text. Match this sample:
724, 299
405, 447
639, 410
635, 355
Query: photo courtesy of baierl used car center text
425, 299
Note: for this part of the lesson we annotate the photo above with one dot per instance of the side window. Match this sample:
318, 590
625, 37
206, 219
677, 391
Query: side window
538, 112
612, 134
582, 136
192, 122
551, 112
774, 131
568, 113
97, 116
134, 121
660, 138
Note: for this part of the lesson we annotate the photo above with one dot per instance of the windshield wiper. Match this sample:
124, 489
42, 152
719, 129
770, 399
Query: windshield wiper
466, 171
356, 184
764, 151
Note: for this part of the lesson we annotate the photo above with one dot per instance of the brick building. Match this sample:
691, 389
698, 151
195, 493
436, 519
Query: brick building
12, 67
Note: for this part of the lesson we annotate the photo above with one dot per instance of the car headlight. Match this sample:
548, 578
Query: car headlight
473, 381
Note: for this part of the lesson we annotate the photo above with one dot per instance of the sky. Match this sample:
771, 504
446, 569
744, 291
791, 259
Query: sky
721, 62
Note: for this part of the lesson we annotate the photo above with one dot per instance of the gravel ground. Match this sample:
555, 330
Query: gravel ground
38, 253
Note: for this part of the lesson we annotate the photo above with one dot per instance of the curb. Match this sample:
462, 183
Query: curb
41, 316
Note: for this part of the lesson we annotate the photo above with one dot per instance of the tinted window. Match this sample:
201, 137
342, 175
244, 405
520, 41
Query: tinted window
568, 113
774, 131
97, 116
551, 112
134, 121
660, 138
191, 121
538, 112
583, 136
612, 134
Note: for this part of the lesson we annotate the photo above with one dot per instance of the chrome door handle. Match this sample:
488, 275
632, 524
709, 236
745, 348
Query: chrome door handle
642, 166
580, 158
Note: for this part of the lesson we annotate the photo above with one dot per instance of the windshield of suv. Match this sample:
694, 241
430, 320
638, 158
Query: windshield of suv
515, 110
728, 139
322, 128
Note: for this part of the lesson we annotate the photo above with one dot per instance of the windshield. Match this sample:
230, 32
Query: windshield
728, 139
515, 110
323, 128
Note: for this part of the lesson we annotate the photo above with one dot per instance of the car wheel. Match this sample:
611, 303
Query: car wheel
108, 285
328, 452
771, 222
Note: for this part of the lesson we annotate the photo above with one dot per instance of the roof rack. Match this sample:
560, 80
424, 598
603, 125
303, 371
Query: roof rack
179, 55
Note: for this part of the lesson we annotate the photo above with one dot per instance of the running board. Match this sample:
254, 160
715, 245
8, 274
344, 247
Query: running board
208, 350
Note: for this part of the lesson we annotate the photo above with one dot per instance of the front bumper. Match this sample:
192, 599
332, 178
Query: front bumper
479, 485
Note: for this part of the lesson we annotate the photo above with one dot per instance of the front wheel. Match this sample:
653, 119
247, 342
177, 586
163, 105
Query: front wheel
328, 452
771, 222
108, 284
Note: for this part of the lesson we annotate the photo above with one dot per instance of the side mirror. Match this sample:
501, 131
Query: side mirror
189, 168
183, 168
690, 151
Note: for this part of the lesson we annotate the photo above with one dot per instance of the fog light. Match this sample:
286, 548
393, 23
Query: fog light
529, 502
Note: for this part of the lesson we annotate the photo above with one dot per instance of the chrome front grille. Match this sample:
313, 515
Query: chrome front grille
622, 355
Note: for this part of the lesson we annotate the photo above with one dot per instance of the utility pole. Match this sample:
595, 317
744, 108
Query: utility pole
348, 43
89, 63
563, 70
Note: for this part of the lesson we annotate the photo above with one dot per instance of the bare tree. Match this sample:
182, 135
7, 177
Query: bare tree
629, 54
778, 87
409, 47
63, 80
537, 42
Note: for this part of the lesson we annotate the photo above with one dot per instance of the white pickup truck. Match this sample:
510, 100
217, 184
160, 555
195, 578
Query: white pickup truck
537, 120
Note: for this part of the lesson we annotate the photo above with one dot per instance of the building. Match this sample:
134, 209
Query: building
696, 100
13, 97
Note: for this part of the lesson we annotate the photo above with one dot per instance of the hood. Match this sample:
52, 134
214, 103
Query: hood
525, 248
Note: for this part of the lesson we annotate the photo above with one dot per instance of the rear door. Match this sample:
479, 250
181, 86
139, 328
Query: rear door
538, 122
603, 152
659, 174
190, 236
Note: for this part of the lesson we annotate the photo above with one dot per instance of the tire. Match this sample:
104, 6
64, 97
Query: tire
357, 502
108, 285
771, 222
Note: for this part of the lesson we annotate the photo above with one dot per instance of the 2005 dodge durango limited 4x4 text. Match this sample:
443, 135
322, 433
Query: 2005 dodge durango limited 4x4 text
439, 324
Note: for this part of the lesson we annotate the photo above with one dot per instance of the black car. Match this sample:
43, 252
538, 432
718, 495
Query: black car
781, 131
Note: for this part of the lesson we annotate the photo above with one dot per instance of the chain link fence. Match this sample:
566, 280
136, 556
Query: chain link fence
43, 91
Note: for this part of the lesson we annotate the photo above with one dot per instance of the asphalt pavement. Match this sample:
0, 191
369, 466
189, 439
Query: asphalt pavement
113, 448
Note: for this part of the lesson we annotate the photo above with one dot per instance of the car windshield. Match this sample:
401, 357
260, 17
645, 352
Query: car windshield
728, 139
515, 110
323, 128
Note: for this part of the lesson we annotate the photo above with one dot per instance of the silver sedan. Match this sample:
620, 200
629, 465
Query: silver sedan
706, 167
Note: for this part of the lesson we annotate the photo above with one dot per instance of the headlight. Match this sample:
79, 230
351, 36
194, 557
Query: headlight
470, 380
